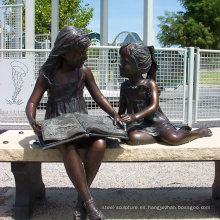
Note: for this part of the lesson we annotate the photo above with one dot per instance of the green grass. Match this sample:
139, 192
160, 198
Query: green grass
210, 78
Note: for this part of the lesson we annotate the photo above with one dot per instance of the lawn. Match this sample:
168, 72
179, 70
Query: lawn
210, 78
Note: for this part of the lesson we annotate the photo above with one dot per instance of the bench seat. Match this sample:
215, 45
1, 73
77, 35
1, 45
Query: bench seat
20, 148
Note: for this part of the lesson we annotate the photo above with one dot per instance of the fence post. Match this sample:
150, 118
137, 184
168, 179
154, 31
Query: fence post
190, 84
29, 24
196, 83
54, 21
18, 28
184, 85
2, 33
103, 42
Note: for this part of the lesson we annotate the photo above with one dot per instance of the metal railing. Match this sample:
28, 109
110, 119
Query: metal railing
11, 26
175, 79
104, 62
207, 85
171, 79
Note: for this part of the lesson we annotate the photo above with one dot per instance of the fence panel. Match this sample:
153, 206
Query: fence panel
42, 41
104, 63
171, 80
208, 86
11, 26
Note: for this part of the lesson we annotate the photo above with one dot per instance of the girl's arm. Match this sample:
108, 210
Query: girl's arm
154, 105
98, 96
39, 89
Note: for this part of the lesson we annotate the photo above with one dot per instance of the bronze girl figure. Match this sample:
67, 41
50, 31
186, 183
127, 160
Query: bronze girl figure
64, 76
139, 98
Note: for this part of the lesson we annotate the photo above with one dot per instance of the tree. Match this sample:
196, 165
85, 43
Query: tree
71, 12
198, 26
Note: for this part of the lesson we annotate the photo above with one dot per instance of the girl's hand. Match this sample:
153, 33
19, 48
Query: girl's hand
117, 120
128, 118
36, 126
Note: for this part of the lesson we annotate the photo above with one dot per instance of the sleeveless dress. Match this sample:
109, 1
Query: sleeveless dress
66, 98
136, 99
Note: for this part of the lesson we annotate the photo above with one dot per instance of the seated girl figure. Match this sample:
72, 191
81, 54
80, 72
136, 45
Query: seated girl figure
64, 76
139, 99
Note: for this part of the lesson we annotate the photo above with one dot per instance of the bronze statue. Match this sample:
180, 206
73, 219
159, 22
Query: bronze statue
64, 76
140, 98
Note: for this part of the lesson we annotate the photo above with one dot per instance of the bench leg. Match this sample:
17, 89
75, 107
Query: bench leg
29, 187
216, 184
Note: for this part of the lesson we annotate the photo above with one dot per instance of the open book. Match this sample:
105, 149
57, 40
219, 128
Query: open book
72, 126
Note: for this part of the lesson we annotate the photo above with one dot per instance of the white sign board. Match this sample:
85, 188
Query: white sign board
16, 83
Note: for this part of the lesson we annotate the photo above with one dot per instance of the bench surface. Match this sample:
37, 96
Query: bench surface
20, 147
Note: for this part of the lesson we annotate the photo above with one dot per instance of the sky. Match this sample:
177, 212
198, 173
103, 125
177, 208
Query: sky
127, 15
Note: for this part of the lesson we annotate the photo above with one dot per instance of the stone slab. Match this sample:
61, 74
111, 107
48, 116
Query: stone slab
21, 147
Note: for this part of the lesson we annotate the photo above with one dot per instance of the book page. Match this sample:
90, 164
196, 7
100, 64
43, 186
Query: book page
99, 124
61, 127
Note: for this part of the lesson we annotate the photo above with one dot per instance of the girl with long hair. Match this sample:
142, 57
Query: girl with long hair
64, 77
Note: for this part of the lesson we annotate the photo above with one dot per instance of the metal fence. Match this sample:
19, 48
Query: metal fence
11, 35
11, 26
104, 63
173, 79
207, 81
42, 41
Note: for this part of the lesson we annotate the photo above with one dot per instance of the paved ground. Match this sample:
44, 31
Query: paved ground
125, 191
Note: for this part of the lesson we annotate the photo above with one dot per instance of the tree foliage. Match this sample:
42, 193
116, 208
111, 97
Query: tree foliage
198, 26
71, 12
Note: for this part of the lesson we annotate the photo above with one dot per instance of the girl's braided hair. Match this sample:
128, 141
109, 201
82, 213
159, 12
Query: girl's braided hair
139, 53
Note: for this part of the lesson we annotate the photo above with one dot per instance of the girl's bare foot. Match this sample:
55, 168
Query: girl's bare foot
204, 132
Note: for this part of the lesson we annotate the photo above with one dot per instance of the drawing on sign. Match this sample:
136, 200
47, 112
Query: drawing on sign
19, 71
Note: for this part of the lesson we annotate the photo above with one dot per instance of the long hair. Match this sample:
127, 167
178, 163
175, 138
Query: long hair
139, 53
68, 38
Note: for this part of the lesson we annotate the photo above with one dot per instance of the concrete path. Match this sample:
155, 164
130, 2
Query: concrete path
115, 203
179, 190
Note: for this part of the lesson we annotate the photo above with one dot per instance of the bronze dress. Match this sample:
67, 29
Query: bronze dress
136, 99
66, 98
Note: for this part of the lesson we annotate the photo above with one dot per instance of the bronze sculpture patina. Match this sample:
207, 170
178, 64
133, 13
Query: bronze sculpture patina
140, 98
64, 76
